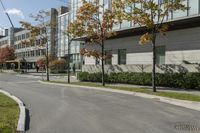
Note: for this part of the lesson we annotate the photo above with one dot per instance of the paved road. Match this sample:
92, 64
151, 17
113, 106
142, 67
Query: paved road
56, 109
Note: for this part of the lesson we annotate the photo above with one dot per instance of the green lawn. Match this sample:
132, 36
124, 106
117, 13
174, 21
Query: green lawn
9, 113
179, 96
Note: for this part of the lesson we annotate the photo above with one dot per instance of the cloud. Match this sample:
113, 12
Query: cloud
15, 11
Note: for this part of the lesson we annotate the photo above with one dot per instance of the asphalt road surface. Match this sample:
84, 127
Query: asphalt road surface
57, 109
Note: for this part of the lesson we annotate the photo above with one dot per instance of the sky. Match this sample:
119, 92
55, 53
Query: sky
20, 10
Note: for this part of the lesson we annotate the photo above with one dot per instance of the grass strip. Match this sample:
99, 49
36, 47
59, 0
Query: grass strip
9, 114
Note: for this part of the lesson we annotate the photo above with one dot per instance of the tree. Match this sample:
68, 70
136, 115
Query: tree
58, 65
42, 31
42, 61
6, 53
71, 35
150, 15
94, 23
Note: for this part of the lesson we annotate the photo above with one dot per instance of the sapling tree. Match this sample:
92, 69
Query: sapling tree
41, 30
94, 23
151, 15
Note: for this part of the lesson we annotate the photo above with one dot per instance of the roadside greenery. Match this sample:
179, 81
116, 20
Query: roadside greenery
94, 22
6, 53
9, 113
39, 33
174, 80
174, 95
151, 15
58, 66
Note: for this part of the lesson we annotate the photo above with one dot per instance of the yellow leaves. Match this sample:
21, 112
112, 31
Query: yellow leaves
75, 29
163, 29
111, 34
146, 38
92, 22
86, 11
95, 53
176, 5
149, 14
89, 53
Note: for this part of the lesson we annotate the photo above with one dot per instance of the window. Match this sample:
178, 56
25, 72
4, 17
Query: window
37, 52
38, 42
19, 38
27, 35
179, 13
97, 61
29, 53
108, 60
23, 36
121, 56
32, 53
23, 54
194, 7
19, 46
44, 52
160, 55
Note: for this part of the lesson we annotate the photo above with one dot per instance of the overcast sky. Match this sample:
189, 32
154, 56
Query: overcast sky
21, 9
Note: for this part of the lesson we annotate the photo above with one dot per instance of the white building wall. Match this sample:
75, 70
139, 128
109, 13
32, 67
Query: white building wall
181, 45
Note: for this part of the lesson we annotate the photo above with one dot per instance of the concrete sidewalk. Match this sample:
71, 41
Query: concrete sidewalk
53, 77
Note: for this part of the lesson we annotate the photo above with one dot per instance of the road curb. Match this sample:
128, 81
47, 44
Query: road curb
22, 114
181, 103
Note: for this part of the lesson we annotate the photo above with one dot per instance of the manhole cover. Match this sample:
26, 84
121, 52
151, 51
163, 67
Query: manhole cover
187, 126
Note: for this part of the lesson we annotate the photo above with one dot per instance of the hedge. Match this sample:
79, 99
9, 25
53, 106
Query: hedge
175, 80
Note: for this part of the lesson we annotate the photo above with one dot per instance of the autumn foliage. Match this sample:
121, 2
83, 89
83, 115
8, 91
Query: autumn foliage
6, 53
58, 65
151, 15
42, 61
94, 22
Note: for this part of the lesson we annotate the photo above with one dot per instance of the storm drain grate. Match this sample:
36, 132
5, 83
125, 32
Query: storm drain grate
187, 126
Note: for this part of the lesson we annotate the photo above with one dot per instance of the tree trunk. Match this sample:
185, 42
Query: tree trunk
102, 64
154, 63
68, 69
47, 62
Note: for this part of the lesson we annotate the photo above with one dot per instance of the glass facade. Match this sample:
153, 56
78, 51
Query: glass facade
194, 9
62, 38
75, 57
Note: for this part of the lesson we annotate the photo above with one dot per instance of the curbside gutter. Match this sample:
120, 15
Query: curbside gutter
181, 103
22, 114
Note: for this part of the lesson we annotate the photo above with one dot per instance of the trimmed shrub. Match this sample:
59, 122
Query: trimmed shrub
92, 77
175, 80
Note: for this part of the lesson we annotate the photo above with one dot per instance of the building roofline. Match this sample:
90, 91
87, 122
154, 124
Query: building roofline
176, 24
